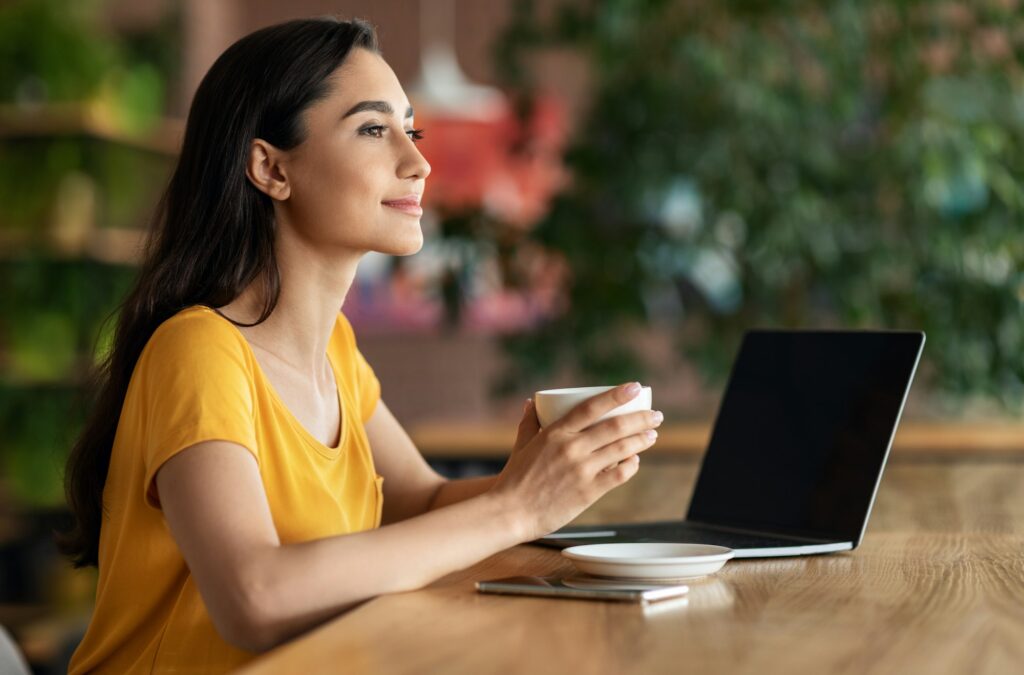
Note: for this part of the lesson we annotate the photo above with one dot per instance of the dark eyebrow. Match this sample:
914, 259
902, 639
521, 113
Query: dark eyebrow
378, 106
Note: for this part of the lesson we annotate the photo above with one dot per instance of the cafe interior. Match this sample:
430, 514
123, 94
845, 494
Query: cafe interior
620, 191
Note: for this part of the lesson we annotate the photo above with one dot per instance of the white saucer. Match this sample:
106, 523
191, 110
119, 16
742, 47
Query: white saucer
654, 561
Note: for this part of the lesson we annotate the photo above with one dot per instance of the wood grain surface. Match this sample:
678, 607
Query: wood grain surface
492, 439
936, 587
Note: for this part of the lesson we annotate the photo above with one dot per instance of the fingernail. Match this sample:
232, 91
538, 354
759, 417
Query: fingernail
657, 417
633, 388
526, 405
651, 434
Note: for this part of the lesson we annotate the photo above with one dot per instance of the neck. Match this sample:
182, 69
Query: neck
314, 285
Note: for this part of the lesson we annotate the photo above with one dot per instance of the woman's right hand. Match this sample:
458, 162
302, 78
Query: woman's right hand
567, 466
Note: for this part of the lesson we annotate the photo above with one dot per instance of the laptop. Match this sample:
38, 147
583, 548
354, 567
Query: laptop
797, 449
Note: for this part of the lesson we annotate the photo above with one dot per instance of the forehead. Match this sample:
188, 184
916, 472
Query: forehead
366, 76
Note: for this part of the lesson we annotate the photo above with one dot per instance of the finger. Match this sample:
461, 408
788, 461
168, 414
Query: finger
618, 474
610, 455
528, 426
588, 412
615, 428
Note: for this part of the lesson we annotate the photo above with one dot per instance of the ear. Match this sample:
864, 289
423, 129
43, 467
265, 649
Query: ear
265, 169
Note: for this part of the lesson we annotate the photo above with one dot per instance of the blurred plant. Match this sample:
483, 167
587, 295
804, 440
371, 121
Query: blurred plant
59, 51
39, 424
77, 102
55, 322
61, 67
745, 163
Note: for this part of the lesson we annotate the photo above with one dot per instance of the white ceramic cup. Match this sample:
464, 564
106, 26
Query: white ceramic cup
553, 404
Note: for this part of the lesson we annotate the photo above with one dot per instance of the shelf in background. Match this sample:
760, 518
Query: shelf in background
114, 246
87, 120
493, 440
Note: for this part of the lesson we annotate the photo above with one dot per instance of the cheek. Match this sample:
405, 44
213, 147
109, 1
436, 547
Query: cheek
336, 200
335, 179
329, 193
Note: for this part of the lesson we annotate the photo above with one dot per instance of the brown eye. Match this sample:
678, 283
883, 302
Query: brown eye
376, 131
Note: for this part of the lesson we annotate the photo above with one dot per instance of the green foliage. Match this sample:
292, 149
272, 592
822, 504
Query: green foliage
57, 58
55, 323
46, 55
127, 180
40, 423
747, 164
70, 85
53, 316
58, 51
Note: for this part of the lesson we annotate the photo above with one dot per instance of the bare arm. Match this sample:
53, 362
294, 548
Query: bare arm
260, 592
461, 489
411, 487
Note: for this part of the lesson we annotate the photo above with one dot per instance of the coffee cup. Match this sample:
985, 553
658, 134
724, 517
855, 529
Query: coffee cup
552, 404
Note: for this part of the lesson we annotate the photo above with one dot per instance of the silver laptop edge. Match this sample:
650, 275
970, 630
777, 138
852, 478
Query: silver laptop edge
892, 436
778, 551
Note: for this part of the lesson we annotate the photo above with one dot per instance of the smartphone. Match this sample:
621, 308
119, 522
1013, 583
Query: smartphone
585, 588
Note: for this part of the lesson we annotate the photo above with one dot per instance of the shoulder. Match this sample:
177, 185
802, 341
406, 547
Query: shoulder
197, 323
343, 326
344, 336
197, 335
344, 347
353, 368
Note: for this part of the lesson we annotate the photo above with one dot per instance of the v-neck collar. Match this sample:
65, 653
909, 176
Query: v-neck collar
322, 448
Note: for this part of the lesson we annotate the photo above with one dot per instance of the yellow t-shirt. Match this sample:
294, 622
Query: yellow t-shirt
198, 380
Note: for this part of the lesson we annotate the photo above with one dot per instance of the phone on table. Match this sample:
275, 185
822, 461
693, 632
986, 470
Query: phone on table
584, 588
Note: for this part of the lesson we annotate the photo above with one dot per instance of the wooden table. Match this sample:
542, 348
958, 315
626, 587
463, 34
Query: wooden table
936, 587
491, 439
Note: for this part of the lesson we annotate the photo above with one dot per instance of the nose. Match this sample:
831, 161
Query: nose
414, 164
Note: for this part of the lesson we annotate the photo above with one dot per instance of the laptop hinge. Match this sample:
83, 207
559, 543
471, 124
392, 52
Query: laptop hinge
761, 533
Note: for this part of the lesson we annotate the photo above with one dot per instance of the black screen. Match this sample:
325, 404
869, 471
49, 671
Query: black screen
803, 431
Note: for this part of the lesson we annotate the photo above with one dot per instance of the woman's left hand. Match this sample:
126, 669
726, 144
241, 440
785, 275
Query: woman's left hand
528, 426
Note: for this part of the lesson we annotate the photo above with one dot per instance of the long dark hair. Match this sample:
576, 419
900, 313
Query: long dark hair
213, 232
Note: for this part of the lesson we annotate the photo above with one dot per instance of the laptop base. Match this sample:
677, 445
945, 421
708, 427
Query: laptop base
745, 544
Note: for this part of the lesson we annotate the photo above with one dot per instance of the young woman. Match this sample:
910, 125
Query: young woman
240, 481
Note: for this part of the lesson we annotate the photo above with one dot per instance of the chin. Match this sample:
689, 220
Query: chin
405, 247
413, 249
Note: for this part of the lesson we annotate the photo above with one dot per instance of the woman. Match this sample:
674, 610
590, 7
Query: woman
234, 478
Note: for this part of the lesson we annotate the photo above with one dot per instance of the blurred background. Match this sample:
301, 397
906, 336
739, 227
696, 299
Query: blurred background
619, 190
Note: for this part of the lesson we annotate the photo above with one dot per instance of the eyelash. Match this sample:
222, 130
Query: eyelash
415, 134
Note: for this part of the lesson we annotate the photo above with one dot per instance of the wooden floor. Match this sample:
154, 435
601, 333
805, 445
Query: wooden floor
936, 587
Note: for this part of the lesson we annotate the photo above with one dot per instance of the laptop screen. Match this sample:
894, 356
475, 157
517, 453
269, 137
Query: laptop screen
803, 431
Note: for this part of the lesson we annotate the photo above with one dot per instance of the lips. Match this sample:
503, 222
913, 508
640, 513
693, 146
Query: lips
409, 204
410, 200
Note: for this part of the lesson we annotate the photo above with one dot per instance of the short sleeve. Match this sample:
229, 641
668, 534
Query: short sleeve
365, 382
194, 384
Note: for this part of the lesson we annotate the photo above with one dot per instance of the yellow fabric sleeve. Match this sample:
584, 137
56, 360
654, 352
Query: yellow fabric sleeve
195, 380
